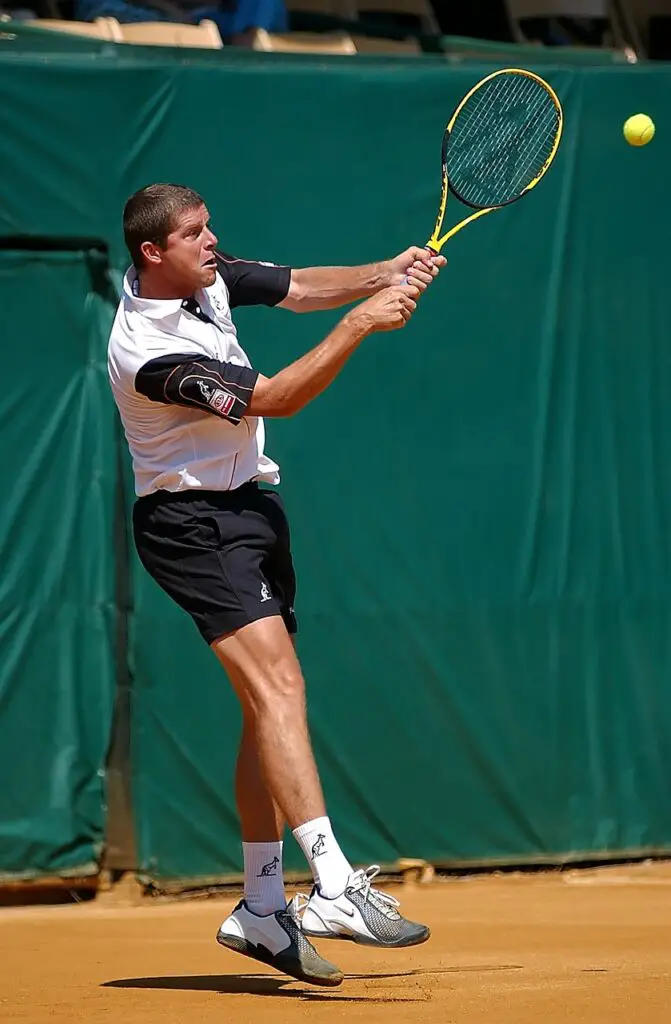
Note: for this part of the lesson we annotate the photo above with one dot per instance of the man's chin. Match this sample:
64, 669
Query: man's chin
209, 276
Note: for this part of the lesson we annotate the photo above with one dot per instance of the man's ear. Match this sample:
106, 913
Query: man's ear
152, 253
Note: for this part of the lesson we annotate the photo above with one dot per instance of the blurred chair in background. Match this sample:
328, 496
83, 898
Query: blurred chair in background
303, 42
233, 18
374, 44
100, 28
417, 14
169, 33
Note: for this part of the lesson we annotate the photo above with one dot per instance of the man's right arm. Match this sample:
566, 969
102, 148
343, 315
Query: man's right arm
290, 390
231, 392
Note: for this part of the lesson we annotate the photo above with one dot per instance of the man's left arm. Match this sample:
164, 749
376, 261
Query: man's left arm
314, 288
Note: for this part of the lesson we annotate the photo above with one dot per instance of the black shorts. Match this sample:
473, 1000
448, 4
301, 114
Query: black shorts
223, 556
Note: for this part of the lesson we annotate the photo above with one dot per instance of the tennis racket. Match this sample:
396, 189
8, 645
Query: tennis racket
499, 143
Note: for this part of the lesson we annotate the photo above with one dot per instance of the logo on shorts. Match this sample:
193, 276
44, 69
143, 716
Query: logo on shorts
265, 593
318, 847
270, 869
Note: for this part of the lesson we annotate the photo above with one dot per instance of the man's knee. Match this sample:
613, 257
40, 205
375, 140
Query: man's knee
272, 685
262, 665
280, 683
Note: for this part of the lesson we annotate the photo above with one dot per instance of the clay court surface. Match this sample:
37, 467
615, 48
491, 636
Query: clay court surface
591, 946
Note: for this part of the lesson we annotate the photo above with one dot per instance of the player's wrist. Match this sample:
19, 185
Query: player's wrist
358, 323
387, 274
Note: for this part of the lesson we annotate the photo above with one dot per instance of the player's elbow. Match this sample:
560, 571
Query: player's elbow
272, 398
298, 297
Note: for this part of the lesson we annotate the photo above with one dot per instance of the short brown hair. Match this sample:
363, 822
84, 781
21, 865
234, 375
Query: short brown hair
149, 215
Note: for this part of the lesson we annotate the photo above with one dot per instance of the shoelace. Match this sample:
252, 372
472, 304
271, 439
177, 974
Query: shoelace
297, 905
361, 882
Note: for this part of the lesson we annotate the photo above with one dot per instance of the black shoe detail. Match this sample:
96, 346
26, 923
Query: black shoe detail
389, 928
300, 959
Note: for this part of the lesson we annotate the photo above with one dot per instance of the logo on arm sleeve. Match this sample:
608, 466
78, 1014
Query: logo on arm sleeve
221, 401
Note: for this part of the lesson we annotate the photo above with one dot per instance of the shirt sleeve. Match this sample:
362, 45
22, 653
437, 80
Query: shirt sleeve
223, 389
253, 284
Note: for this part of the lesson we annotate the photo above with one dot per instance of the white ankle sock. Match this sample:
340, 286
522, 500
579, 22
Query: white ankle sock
329, 865
264, 882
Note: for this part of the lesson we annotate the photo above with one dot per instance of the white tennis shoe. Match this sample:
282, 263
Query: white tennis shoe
276, 939
362, 914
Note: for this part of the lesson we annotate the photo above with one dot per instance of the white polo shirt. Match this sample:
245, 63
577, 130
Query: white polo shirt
176, 447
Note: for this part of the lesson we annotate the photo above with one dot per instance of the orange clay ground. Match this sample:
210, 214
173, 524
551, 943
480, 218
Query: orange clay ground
591, 946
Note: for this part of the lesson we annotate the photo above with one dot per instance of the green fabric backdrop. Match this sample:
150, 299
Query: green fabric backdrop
57, 581
480, 505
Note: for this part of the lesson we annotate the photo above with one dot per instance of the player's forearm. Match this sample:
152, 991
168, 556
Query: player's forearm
314, 288
297, 384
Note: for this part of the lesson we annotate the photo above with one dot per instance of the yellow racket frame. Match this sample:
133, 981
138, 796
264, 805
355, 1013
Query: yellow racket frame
437, 241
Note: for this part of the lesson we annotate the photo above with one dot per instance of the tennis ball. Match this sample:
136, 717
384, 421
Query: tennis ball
639, 130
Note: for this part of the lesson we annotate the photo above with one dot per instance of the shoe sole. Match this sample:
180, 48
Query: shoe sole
287, 965
363, 940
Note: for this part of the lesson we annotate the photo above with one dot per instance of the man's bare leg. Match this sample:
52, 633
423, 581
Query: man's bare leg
265, 672
261, 819
261, 663
261, 822
262, 666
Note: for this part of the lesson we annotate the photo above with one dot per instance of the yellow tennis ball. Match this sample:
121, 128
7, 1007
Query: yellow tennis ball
639, 130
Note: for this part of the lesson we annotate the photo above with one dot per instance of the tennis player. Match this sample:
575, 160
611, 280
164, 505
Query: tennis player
217, 540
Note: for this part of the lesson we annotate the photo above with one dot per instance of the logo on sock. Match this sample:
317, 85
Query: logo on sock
268, 870
319, 846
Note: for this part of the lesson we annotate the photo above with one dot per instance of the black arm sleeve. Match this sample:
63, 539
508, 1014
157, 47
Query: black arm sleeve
253, 284
224, 389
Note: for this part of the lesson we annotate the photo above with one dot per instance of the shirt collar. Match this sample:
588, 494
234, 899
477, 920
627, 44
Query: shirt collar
155, 309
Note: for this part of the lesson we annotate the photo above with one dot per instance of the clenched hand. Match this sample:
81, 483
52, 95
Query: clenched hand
388, 310
415, 266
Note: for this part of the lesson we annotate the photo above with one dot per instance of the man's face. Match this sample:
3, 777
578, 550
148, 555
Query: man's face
186, 262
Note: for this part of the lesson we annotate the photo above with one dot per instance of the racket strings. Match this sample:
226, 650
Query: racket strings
501, 140
507, 148
530, 150
509, 153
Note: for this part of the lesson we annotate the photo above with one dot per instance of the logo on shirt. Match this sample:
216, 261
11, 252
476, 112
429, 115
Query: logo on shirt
221, 401
265, 593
